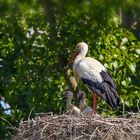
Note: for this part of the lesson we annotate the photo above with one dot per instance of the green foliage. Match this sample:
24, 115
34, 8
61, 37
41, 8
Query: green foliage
32, 67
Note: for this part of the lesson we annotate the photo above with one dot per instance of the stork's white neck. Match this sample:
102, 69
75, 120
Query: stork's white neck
82, 53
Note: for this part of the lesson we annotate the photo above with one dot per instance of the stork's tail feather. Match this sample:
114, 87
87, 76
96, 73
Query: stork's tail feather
110, 95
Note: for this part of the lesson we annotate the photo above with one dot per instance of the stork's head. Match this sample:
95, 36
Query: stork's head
68, 95
82, 49
82, 46
81, 96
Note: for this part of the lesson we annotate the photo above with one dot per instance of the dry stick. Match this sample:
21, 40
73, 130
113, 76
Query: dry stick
30, 113
34, 135
129, 128
14, 128
86, 134
80, 125
71, 129
78, 137
108, 132
138, 105
43, 129
106, 123
55, 133
124, 109
42, 113
93, 133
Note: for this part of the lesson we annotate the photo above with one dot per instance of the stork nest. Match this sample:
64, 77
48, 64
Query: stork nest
69, 127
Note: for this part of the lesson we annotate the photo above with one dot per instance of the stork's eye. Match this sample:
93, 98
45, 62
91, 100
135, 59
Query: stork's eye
77, 47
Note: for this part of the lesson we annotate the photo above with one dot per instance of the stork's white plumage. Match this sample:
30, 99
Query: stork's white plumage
95, 76
70, 108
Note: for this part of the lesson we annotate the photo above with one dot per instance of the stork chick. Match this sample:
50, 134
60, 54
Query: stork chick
84, 108
71, 109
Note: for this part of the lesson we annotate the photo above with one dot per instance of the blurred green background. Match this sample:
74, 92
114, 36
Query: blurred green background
37, 38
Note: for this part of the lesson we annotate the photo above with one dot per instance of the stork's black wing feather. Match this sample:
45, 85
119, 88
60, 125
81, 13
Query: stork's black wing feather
105, 89
108, 78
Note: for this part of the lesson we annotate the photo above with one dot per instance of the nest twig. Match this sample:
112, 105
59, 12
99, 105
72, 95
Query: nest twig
69, 127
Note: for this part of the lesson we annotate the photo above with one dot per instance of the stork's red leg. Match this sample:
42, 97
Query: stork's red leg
94, 103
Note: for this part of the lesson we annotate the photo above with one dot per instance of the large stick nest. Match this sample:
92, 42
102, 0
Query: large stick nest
69, 127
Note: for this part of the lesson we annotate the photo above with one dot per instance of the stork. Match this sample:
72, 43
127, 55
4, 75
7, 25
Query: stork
71, 109
95, 76
84, 108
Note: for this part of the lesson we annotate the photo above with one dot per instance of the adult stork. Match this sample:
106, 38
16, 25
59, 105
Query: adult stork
95, 76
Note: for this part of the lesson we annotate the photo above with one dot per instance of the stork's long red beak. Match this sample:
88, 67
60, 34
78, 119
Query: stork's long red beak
72, 59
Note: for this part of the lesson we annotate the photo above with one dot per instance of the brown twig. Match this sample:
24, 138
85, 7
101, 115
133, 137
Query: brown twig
78, 127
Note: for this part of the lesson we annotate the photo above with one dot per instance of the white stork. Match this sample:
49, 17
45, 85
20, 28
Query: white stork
95, 76
71, 109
